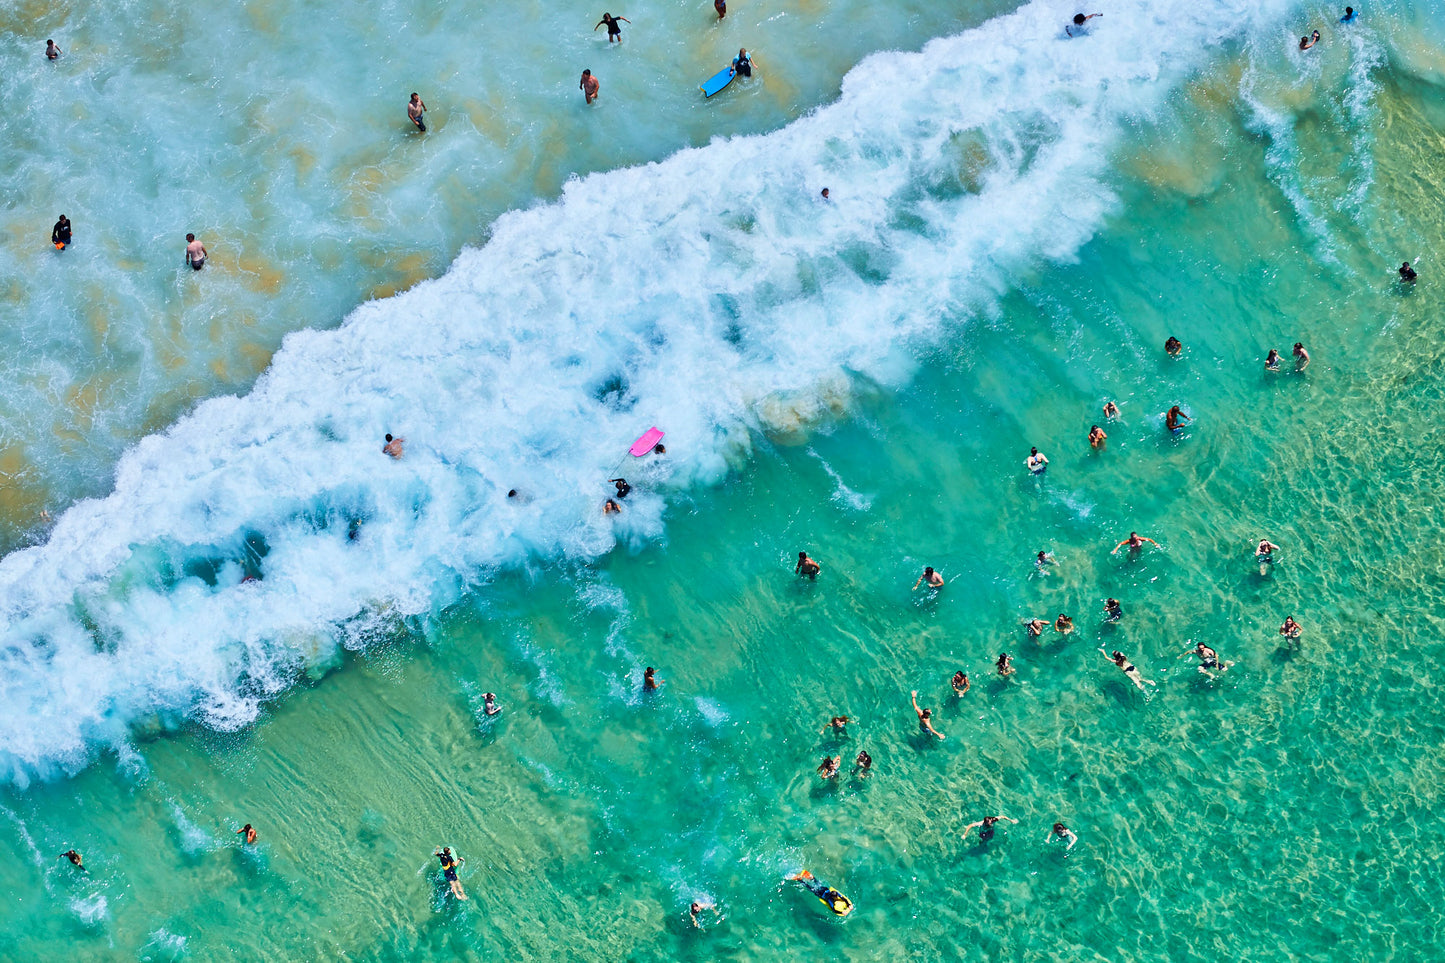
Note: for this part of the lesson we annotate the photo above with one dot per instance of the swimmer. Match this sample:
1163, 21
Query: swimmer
696, 909
1349, 16
1036, 463
1005, 664
1173, 346
1306, 43
1135, 541
195, 252
1060, 831
75, 860
511, 493
610, 507
828, 768
863, 764
1113, 611
614, 32
415, 111
960, 682
1063, 624
1036, 627
1130, 669
649, 680
52, 52
1079, 21
489, 704
1291, 629
1172, 416
925, 717
249, 834
721, 7
1407, 273
449, 870
393, 446
1209, 660
1264, 554
806, 566
1271, 361
589, 86
838, 724
831, 898
1043, 560
1301, 356
621, 485
60, 233
743, 64
659, 449
1097, 437
985, 827
933, 579
826, 196
1111, 410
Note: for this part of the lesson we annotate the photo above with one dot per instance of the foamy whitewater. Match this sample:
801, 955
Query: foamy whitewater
714, 295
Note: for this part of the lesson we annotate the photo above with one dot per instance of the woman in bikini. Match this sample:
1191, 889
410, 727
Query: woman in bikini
1130, 669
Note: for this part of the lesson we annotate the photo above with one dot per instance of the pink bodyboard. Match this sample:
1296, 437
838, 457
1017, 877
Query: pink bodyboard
646, 443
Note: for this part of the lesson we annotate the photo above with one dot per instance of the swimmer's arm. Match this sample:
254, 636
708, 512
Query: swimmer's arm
1119, 546
928, 724
1072, 839
969, 828
1150, 541
623, 19
918, 583
915, 703
1009, 818
599, 23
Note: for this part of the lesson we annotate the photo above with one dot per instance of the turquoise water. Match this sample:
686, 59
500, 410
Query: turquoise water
1284, 811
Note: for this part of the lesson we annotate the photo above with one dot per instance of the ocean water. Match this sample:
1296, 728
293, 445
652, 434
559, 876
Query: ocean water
1018, 222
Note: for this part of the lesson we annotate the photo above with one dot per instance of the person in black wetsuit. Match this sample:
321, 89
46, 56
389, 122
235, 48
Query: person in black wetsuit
743, 64
622, 487
449, 870
1407, 273
60, 233
614, 31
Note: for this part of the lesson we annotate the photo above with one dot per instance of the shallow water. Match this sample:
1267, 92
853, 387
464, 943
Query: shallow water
1284, 811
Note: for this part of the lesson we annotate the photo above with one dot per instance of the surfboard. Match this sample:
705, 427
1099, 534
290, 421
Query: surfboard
717, 81
647, 442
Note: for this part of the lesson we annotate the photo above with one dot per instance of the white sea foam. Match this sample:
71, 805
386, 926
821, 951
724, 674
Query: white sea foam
713, 294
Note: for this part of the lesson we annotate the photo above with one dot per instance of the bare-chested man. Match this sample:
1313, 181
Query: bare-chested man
415, 110
393, 446
195, 252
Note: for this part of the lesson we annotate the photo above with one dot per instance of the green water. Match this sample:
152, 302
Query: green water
1286, 811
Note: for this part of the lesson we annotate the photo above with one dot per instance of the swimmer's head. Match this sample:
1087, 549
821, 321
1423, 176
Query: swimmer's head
802, 555
825, 192
190, 237
1118, 657
928, 570
926, 713
1033, 451
414, 95
587, 73
1060, 829
511, 493
659, 449
1079, 18
388, 437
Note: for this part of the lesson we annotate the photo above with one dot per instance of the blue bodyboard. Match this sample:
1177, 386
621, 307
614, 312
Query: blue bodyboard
717, 81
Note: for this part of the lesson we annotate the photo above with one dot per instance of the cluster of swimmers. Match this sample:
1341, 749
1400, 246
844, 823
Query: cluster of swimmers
1306, 43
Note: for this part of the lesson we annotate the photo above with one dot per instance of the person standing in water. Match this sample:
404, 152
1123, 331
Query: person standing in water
416, 111
1173, 346
925, 717
933, 579
1036, 627
721, 7
1264, 554
829, 767
743, 64
807, 567
60, 233
696, 910
589, 86
1036, 462
1135, 541
1097, 437
1290, 629
614, 28
649, 680
52, 52
248, 834
1043, 560
489, 704
960, 682
449, 870
195, 252
1407, 273
1063, 624
1005, 664
393, 446
1113, 611
1301, 356
1111, 410
1349, 16
985, 827
1172, 416
863, 764
1271, 361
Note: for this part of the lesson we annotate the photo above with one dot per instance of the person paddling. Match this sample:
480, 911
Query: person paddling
449, 870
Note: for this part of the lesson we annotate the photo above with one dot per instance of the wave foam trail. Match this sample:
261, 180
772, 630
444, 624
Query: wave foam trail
713, 294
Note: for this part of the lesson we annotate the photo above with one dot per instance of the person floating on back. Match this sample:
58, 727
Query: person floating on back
195, 252
1407, 273
588, 86
743, 64
52, 52
614, 30
1306, 43
1078, 24
416, 110
60, 233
